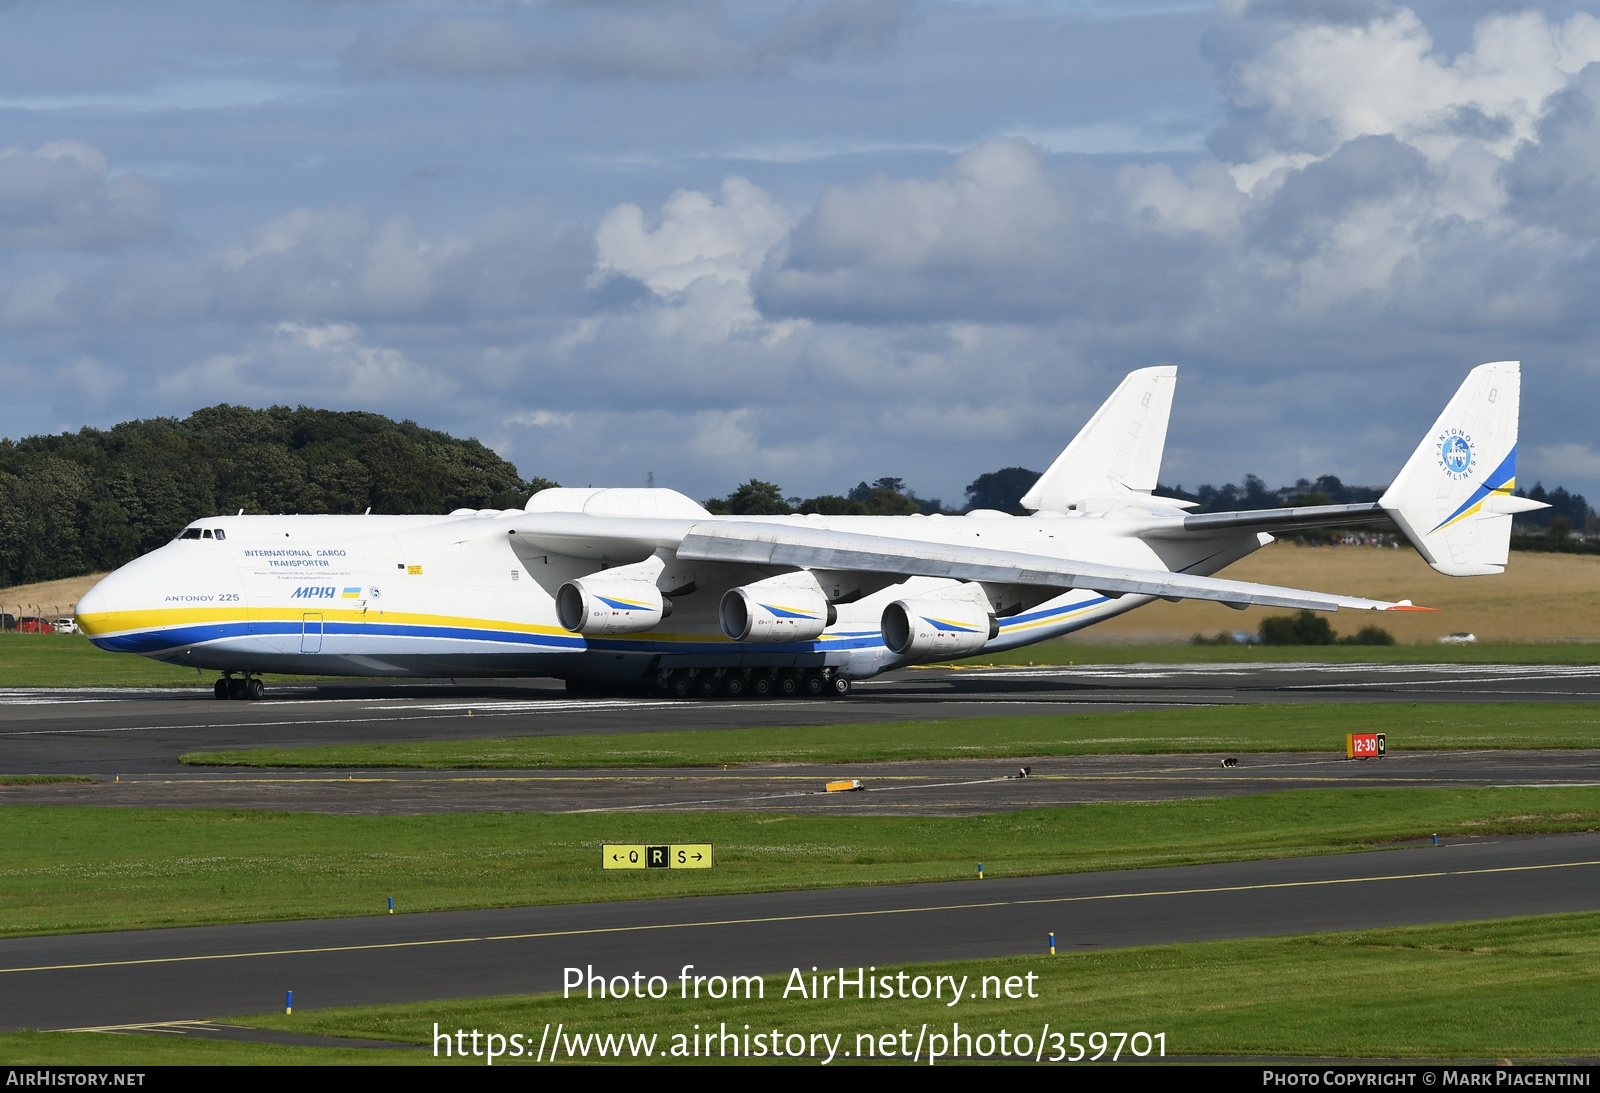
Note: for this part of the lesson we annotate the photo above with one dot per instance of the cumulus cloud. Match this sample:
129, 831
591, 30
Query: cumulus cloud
333, 263
697, 236
1320, 83
1374, 217
62, 195
665, 43
1369, 162
1555, 180
995, 236
329, 364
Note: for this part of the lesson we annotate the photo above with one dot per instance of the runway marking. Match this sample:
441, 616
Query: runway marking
377, 946
171, 1028
489, 711
779, 796
1548, 785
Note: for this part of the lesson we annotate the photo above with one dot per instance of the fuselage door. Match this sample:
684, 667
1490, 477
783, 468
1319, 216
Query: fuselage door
311, 632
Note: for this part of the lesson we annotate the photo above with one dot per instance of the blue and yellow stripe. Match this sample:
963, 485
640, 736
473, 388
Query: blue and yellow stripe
1500, 482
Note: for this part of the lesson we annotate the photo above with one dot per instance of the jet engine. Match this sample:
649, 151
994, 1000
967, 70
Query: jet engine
610, 605
929, 627
789, 607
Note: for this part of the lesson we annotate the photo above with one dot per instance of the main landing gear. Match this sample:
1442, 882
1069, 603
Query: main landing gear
246, 688
754, 683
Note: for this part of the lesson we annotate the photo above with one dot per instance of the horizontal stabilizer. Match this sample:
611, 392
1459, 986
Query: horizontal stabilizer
1286, 519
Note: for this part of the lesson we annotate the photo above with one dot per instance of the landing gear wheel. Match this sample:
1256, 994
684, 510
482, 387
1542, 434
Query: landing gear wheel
838, 686
236, 689
706, 686
221, 689
734, 684
254, 690
814, 684
680, 686
761, 686
788, 686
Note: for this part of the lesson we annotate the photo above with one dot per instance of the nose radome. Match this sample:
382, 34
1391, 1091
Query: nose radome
98, 607
134, 587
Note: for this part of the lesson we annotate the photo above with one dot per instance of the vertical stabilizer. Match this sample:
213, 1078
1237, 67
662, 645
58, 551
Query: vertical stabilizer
1118, 451
1453, 497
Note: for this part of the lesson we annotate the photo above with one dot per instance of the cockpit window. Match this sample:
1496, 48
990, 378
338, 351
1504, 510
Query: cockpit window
190, 533
221, 534
206, 534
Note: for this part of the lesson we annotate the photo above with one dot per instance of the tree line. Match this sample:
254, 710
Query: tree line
1002, 490
95, 499
92, 500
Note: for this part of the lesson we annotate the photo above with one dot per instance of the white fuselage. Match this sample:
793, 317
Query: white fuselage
463, 595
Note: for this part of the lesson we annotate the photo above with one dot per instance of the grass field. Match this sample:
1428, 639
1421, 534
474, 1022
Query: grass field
47, 599
1516, 988
1540, 597
1078, 652
68, 660
1205, 729
82, 869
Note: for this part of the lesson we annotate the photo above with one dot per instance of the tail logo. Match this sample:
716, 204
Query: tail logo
1455, 453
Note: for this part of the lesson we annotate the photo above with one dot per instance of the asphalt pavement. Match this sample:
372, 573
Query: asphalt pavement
112, 731
88, 980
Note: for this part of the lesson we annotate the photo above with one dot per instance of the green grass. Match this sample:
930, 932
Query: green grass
1207, 729
69, 660
81, 869
1514, 988
40, 779
133, 1050
1072, 652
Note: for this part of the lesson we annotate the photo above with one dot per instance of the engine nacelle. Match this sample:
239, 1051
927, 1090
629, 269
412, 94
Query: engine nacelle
791, 607
932, 628
610, 605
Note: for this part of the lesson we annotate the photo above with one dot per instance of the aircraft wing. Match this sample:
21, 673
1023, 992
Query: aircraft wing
817, 548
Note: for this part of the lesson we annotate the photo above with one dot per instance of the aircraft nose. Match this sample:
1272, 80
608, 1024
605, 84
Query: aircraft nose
113, 605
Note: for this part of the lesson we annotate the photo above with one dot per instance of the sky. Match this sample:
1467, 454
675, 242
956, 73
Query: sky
810, 241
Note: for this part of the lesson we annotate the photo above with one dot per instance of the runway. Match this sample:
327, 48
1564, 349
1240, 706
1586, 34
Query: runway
208, 972
942, 788
106, 732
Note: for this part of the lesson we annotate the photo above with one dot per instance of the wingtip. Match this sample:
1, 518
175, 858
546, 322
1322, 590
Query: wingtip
1409, 607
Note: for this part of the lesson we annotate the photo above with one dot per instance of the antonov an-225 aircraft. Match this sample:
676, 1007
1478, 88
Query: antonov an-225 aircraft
644, 587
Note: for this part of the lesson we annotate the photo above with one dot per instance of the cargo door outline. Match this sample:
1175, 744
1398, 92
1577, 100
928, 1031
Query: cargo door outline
311, 632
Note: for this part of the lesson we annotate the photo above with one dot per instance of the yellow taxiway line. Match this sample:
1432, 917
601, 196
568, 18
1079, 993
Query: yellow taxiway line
797, 918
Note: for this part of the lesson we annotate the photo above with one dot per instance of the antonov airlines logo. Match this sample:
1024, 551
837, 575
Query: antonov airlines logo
1455, 453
